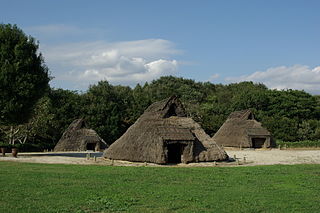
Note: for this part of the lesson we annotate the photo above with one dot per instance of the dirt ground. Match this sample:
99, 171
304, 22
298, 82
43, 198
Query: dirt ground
276, 156
249, 157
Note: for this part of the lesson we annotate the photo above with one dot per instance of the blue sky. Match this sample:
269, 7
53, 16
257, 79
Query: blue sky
128, 42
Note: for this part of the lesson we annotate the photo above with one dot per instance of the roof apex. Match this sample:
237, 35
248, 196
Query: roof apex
242, 115
171, 106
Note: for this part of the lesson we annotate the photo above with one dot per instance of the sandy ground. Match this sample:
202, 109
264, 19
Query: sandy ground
275, 156
248, 157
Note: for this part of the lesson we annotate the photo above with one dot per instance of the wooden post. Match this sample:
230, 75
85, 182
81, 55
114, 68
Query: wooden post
238, 162
244, 160
112, 162
95, 159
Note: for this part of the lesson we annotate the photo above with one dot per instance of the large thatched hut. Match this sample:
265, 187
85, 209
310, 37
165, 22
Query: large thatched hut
242, 130
164, 135
78, 137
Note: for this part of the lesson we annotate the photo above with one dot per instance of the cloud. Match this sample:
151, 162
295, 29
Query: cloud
127, 62
214, 77
131, 71
299, 77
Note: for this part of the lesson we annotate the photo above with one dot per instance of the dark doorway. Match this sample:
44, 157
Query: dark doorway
171, 111
250, 117
258, 142
91, 146
175, 150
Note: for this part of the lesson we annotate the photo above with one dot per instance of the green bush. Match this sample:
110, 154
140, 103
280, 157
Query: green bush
28, 147
299, 144
4, 145
23, 147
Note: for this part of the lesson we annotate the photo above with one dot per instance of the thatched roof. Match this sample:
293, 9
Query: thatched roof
164, 123
242, 115
258, 131
77, 136
240, 129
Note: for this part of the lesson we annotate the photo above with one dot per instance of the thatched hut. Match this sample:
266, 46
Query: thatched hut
164, 135
78, 137
242, 130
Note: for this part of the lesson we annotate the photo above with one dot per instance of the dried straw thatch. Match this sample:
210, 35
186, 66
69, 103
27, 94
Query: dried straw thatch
164, 135
242, 130
78, 137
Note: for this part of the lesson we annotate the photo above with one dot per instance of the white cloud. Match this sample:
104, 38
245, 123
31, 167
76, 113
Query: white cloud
131, 71
299, 77
128, 62
214, 77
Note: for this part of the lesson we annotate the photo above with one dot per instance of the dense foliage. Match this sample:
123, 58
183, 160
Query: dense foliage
299, 144
290, 115
23, 75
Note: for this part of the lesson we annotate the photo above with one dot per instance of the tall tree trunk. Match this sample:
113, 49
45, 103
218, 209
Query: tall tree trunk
11, 135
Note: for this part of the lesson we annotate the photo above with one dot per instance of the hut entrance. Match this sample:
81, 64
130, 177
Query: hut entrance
258, 142
91, 146
175, 152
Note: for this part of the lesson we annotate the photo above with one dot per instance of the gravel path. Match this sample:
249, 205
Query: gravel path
248, 157
275, 156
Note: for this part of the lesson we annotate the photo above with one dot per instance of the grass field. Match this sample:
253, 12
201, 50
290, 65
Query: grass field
72, 188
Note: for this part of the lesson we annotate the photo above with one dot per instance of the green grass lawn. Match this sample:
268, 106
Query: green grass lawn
74, 188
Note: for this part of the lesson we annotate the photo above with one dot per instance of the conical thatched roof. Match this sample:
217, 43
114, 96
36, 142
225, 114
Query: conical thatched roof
242, 130
78, 137
162, 135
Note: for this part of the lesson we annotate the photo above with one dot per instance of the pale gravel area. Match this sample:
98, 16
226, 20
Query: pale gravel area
276, 156
248, 157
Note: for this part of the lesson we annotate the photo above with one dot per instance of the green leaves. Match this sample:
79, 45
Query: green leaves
107, 109
24, 77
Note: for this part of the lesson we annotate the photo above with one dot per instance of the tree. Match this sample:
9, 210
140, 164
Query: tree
66, 106
37, 129
141, 101
24, 77
106, 110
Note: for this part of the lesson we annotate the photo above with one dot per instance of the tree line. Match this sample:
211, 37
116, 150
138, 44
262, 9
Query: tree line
290, 115
34, 114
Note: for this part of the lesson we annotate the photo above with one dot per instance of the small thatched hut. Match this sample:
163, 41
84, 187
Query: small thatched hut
242, 130
78, 137
164, 135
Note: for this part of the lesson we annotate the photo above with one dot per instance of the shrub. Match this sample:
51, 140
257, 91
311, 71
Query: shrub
4, 145
299, 144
